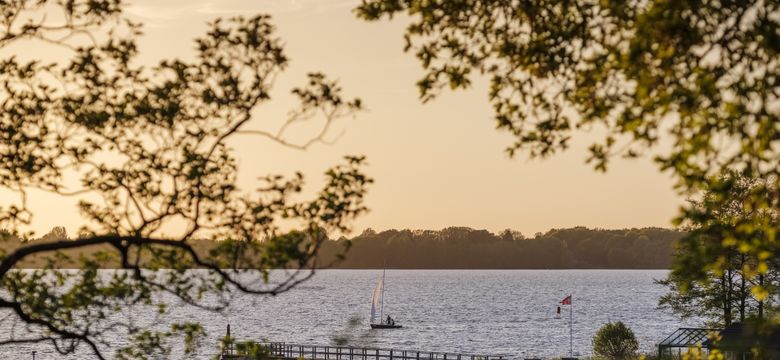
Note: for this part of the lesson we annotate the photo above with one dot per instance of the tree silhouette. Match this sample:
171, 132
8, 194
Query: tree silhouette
148, 148
736, 290
702, 75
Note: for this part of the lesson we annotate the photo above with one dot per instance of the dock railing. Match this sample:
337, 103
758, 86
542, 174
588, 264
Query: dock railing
287, 351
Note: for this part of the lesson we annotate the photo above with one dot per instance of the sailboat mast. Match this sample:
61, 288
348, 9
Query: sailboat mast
382, 300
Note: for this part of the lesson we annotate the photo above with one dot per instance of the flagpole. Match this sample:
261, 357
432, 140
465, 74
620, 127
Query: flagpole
571, 326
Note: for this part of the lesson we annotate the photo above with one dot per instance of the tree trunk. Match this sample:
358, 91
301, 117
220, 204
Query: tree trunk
726, 291
742, 290
761, 302
729, 287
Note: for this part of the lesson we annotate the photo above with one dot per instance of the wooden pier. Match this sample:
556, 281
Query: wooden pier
286, 351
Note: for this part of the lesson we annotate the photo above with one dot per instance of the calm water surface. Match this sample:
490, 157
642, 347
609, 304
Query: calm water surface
474, 311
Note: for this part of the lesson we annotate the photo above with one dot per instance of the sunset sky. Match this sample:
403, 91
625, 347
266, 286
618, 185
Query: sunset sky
436, 165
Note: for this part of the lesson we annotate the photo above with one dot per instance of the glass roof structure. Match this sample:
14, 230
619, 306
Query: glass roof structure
685, 338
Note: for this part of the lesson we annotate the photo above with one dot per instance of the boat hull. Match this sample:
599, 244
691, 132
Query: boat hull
385, 326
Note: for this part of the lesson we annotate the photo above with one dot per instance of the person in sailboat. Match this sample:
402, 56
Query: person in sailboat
390, 320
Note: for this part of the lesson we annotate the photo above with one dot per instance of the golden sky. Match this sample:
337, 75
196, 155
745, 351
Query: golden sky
435, 165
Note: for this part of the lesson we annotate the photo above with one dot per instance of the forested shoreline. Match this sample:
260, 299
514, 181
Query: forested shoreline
458, 248
466, 248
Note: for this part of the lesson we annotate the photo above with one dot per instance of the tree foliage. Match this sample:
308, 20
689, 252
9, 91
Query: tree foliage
615, 341
742, 286
700, 75
146, 151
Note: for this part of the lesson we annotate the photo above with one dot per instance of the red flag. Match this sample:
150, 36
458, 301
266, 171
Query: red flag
566, 301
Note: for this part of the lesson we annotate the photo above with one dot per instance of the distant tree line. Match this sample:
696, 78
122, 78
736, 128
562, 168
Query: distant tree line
466, 248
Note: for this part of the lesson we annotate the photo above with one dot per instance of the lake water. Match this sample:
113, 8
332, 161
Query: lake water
508, 312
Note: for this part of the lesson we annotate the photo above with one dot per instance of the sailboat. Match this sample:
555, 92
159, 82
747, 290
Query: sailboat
377, 303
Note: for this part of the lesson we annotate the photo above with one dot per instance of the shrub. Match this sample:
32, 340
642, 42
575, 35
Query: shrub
615, 341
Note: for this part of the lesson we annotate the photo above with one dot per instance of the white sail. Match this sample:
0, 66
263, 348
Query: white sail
376, 301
